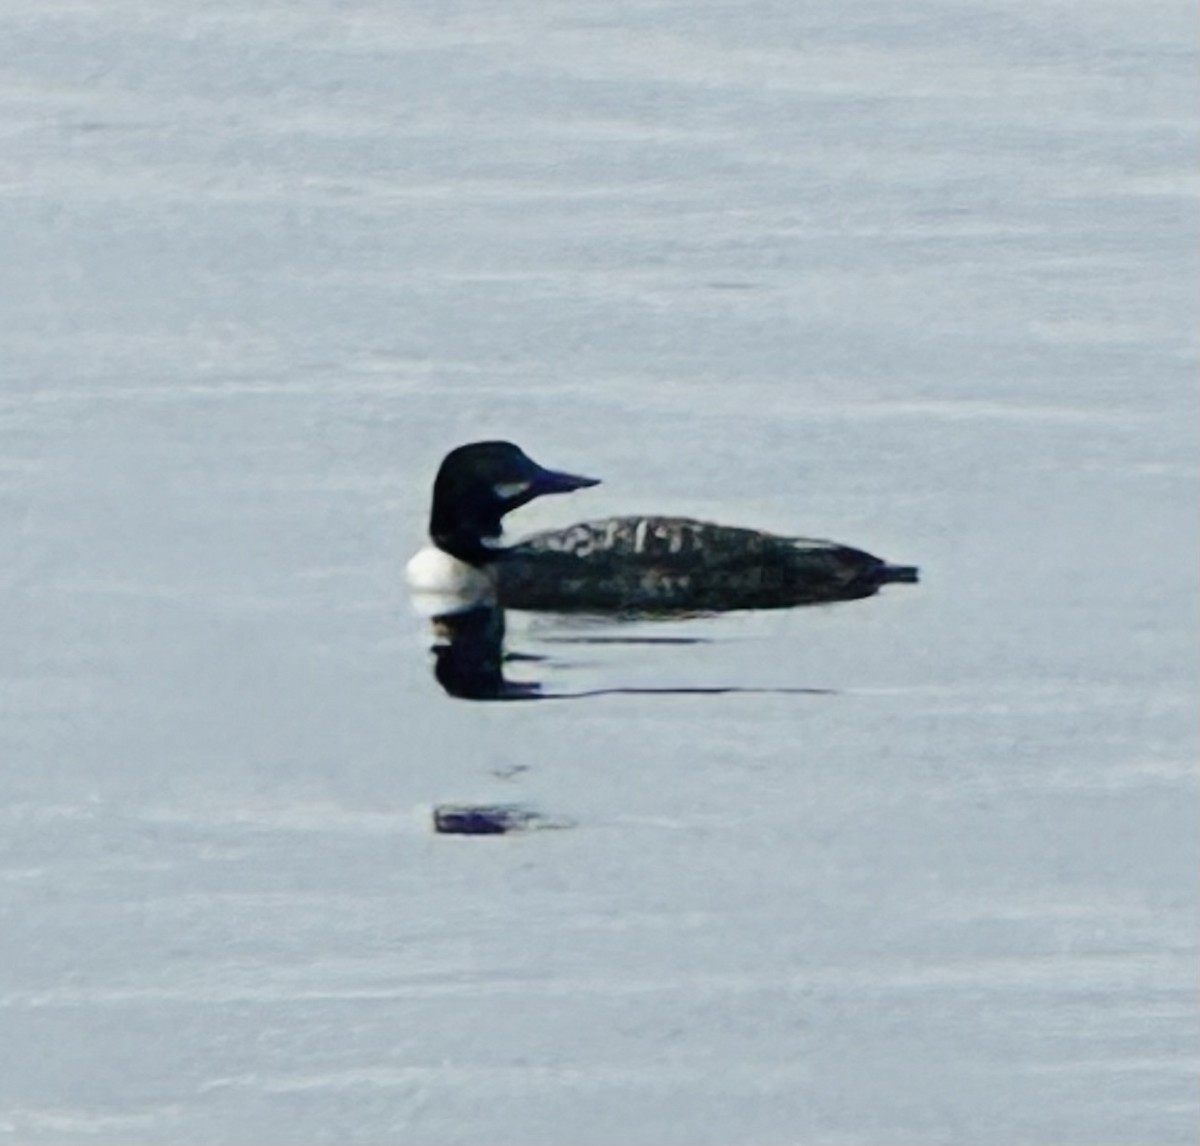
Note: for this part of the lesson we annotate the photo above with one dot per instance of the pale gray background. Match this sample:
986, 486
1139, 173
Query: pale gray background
916, 276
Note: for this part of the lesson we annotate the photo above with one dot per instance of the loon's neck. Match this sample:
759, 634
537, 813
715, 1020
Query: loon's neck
469, 530
468, 546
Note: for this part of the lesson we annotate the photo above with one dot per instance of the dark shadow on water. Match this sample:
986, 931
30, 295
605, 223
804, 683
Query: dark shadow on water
469, 660
493, 819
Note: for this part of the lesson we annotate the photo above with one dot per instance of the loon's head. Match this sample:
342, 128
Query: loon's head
477, 485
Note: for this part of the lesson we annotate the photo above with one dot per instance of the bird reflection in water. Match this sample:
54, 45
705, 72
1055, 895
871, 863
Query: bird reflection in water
469, 660
468, 656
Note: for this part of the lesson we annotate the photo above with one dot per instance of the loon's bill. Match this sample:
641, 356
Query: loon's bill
619, 564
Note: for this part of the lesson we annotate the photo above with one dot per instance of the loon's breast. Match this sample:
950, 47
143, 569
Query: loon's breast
674, 564
434, 571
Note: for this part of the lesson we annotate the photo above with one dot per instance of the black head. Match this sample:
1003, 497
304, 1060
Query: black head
477, 485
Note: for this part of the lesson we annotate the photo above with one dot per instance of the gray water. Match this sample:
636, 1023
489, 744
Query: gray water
920, 278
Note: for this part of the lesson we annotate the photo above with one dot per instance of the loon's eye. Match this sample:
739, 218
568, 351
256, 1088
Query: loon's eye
507, 489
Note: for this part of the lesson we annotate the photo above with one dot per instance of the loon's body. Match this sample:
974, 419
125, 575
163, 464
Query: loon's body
624, 564
675, 563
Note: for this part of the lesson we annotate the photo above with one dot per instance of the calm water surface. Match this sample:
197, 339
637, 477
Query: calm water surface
920, 281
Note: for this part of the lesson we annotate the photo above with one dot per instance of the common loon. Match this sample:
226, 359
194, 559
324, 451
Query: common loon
627, 564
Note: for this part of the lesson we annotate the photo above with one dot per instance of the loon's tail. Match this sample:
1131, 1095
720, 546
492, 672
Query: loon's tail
906, 573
